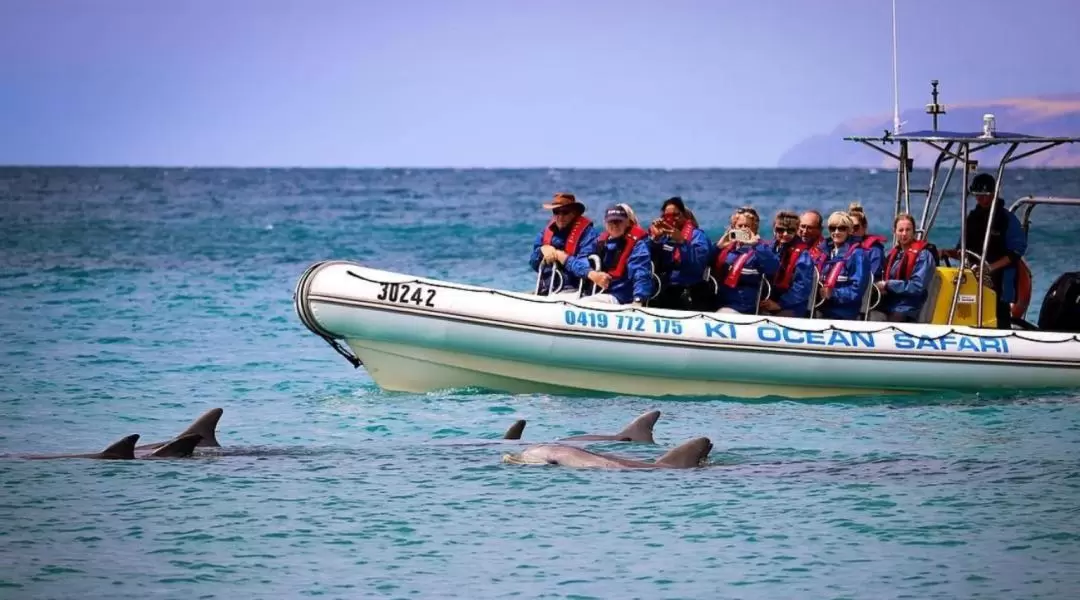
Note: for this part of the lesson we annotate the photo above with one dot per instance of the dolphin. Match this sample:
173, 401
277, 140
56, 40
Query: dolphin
124, 449
639, 430
688, 455
205, 426
515, 430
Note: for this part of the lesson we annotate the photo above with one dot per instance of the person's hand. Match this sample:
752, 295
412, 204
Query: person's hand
880, 285
548, 252
676, 235
754, 238
600, 278
826, 293
655, 232
769, 305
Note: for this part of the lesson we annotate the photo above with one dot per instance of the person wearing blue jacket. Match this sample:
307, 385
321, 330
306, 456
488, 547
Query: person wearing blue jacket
680, 250
740, 265
565, 243
1007, 246
795, 278
874, 245
908, 269
625, 275
846, 274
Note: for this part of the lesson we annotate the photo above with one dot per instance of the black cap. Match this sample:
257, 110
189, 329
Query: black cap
982, 184
616, 213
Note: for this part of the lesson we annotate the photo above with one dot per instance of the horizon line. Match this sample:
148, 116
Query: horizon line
484, 168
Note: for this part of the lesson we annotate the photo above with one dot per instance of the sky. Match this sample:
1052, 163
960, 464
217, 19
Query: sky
510, 83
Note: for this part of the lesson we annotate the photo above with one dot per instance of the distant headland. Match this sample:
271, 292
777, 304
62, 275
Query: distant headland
1051, 115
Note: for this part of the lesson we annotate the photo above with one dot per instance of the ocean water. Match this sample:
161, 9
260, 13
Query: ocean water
135, 299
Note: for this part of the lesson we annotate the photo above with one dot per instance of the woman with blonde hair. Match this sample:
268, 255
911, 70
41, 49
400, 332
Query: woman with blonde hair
846, 274
742, 259
908, 269
874, 245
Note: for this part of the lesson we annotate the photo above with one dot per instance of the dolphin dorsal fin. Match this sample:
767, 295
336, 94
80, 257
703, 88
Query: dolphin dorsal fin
688, 454
179, 447
641, 428
515, 431
206, 427
123, 449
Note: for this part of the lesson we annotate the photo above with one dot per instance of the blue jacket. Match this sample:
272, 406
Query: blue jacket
693, 259
876, 254
907, 296
576, 267
744, 296
847, 296
637, 282
797, 297
1007, 238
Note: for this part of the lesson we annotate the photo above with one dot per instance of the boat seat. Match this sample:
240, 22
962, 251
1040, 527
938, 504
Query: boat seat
596, 264
762, 287
926, 313
865, 309
868, 303
556, 272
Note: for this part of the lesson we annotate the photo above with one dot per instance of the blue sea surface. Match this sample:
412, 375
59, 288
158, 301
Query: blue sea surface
135, 299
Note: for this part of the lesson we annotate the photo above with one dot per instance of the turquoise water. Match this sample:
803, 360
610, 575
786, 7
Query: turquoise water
135, 299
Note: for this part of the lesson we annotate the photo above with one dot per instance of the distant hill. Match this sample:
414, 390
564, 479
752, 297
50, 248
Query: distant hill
1057, 115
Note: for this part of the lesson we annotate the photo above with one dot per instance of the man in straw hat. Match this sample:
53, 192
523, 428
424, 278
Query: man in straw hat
565, 243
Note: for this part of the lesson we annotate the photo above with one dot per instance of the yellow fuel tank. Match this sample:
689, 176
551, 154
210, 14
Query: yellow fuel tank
944, 284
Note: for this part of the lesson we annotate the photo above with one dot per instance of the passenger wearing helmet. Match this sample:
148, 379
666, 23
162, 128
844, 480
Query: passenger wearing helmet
1007, 243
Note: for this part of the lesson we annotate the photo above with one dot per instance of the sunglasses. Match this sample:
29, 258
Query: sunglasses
558, 212
783, 230
838, 227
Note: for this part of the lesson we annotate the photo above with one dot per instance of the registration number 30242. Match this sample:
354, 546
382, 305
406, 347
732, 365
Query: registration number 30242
405, 293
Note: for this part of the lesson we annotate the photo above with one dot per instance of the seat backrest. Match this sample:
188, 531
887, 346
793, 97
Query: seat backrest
926, 313
595, 263
868, 300
814, 292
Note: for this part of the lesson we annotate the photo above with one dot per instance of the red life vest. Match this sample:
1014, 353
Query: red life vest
633, 236
907, 266
834, 273
786, 273
735, 271
572, 239
868, 241
687, 233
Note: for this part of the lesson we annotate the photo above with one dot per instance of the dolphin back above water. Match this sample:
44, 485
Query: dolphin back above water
515, 430
687, 455
205, 426
124, 449
639, 430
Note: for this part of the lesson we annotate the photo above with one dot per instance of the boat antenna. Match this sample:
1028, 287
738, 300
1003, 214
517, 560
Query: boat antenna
896, 78
934, 109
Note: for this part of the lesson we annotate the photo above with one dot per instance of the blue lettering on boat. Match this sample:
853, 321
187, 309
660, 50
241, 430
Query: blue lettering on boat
721, 330
951, 341
847, 339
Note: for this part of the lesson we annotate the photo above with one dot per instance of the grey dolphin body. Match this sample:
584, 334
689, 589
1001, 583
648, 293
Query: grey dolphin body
688, 455
124, 449
639, 430
205, 426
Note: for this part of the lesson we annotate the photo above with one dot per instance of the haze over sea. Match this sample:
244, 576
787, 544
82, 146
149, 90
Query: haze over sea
135, 299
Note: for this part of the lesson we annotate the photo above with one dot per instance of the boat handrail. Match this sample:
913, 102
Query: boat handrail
1028, 203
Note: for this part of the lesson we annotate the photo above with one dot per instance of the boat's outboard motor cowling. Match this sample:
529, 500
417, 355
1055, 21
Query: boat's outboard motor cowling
1061, 307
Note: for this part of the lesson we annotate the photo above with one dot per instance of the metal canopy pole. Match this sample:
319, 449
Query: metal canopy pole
965, 153
994, 203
